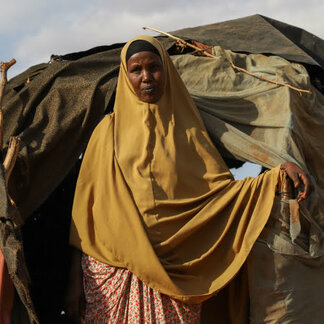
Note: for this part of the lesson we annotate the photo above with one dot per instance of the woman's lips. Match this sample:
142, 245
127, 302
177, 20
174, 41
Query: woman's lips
148, 89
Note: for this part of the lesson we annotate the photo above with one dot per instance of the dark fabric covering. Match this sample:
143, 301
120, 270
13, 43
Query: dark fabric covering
54, 108
260, 34
54, 132
51, 116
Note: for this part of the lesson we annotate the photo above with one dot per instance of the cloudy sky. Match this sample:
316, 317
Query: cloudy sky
32, 30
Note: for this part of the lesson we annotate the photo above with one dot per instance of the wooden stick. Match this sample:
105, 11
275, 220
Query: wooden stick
7, 289
14, 143
3, 81
11, 157
179, 40
184, 43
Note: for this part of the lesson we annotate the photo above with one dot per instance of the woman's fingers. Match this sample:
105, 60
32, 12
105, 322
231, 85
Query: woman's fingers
308, 186
295, 179
298, 176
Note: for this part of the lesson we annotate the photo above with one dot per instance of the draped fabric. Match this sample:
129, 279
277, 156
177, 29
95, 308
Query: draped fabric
154, 195
253, 120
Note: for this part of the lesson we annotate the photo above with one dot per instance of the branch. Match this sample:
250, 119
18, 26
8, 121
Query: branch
11, 157
3, 81
14, 143
182, 43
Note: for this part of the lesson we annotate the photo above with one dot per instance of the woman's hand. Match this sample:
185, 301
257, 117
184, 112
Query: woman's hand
74, 297
298, 176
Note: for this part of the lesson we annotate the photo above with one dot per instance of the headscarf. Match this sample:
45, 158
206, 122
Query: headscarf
140, 45
155, 196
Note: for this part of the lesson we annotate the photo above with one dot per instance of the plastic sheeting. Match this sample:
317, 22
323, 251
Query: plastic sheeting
254, 120
284, 287
258, 121
260, 34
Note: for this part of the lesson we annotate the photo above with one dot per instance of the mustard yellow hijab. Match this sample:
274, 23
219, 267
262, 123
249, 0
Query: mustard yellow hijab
155, 196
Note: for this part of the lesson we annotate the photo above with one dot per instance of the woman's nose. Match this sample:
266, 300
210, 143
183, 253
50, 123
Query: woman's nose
147, 76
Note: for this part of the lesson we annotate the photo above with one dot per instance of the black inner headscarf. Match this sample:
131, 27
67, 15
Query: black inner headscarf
140, 46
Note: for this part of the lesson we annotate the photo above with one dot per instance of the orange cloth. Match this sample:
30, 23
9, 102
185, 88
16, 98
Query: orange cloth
155, 196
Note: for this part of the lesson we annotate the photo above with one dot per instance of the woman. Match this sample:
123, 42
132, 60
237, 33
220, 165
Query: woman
161, 223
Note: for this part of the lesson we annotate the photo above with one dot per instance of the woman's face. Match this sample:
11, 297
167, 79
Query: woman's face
146, 74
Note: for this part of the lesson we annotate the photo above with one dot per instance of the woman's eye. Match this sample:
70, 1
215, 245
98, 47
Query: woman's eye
136, 71
154, 68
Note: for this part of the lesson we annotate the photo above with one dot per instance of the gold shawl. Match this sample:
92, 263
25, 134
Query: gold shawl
155, 196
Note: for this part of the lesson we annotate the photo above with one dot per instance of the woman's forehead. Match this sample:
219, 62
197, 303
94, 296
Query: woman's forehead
144, 56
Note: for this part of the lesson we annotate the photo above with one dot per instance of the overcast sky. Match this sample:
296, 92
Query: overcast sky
32, 30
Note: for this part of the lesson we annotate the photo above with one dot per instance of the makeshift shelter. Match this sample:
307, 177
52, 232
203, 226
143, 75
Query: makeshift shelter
54, 107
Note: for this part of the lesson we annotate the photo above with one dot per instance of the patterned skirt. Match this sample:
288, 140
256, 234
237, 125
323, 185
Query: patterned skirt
115, 295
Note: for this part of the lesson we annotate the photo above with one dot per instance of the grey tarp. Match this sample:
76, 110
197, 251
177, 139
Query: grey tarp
54, 107
260, 121
285, 286
268, 124
260, 34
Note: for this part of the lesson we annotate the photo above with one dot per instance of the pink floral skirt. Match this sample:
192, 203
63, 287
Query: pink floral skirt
115, 295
